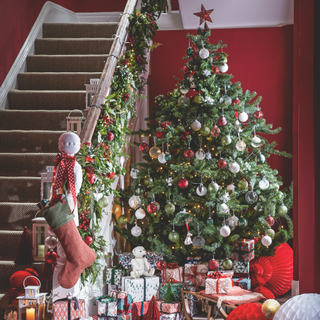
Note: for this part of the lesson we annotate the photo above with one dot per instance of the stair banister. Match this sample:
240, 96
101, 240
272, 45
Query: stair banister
107, 74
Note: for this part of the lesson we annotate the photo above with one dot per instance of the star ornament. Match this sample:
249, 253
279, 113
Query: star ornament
204, 14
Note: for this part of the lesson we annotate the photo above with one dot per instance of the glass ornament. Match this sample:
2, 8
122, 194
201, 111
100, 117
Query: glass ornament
213, 265
183, 183
184, 90
204, 53
266, 241
226, 140
167, 156
224, 68
243, 117
204, 131
225, 231
189, 154
270, 220
222, 121
227, 264
139, 189
201, 190
222, 163
151, 208
169, 208
200, 154
195, 125
123, 219
271, 233
154, 152
256, 142
198, 242
189, 51
174, 236
134, 202
240, 145
169, 181
215, 131
264, 184
162, 158
258, 114
223, 208
208, 155
134, 173
226, 99
251, 197
143, 146
231, 188
148, 181
282, 210
215, 69
234, 167
243, 222
140, 213
210, 221
157, 204
243, 184
279, 195
213, 186
51, 242
183, 100
136, 231
103, 202
233, 221
198, 99
260, 158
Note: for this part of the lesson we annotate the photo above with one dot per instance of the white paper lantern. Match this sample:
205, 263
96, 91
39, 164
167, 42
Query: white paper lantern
140, 213
266, 241
196, 125
224, 68
225, 231
302, 307
234, 167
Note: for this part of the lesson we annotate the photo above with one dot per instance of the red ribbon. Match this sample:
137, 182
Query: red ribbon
217, 275
171, 281
65, 173
172, 265
192, 276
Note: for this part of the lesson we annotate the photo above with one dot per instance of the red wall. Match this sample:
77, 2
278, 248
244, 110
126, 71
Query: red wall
18, 17
260, 58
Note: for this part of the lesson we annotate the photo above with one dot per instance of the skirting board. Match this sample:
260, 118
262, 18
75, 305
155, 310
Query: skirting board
295, 288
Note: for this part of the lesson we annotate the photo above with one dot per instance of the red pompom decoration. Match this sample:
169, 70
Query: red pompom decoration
215, 69
270, 221
161, 265
159, 134
143, 146
215, 131
248, 311
51, 257
189, 154
213, 265
183, 183
265, 292
235, 101
88, 240
152, 208
222, 121
110, 136
222, 163
258, 114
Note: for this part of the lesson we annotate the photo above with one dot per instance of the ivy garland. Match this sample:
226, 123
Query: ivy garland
100, 158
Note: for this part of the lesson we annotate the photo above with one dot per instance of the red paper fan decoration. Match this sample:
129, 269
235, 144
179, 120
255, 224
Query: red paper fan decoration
248, 311
261, 271
265, 292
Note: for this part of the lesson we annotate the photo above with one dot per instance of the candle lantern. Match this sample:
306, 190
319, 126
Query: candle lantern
46, 183
39, 235
75, 123
90, 91
32, 304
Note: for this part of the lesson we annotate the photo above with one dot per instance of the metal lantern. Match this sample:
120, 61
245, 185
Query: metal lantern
74, 124
39, 235
90, 91
46, 183
32, 304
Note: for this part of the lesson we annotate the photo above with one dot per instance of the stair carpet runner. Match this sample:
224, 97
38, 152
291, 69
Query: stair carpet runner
65, 59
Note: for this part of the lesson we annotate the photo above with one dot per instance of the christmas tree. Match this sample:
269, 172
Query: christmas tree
206, 182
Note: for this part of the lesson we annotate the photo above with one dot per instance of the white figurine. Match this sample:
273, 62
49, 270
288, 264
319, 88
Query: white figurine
140, 264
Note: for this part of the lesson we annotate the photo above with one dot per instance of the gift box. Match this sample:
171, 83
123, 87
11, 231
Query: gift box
176, 288
241, 267
62, 307
228, 273
124, 304
172, 316
118, 294
196, 273
114, 275
243, 283
107, 306
173, 271
243, 250
123, 317
152, 257
142, 307
168, 307
142, 289
112, 287
218, 284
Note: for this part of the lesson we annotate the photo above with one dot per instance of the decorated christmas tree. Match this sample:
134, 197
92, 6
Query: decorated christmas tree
206, 181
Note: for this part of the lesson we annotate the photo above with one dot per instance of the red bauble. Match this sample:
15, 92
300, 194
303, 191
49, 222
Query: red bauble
270, 221
215, 69
159, 134
152, 208
110, 136
235, 101
91, 178
88, 240
215, 131
51, 257
213, 265
188, 154
222, 121
185, 70
222, 163
258, 114
161, 264
183, 183
143, 146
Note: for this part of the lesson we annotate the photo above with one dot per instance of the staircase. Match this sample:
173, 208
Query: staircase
65, 59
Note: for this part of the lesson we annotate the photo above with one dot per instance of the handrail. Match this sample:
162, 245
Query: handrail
107, 74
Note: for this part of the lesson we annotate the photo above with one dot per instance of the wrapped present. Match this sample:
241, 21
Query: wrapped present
176, 288
114, 275
173, 271
228, 273
218, 283
124, 305
243, 283
107, 306
172, 316
152, 257
118, 294
196, 260
240, 267
243, 250
168, 307
142, 307
196, 273
142, 289
189, 260
73, 307
123, 317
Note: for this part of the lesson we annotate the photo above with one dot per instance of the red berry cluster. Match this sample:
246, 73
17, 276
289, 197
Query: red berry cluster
150, 20
110, 175
124, 62
165, 124
107, 121
140, 60
131, 40
125, 96
105, 146
89, 170
184, 135
84, 221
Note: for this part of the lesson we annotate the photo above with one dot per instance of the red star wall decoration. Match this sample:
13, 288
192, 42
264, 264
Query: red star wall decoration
204, 14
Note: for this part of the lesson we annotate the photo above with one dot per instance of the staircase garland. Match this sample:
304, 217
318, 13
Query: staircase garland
100, 158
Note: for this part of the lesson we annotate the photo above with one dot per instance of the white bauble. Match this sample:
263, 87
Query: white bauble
184, 90
161, 158
231, 187
243, 116
204, 53
200, 154
225, 231
136, 231
224, 208
224, 68
201, 190
234, 167
256, 142
233, 221
134, 202
264, 184
140, 213
266, 241
241, 146
134, 173
196, 125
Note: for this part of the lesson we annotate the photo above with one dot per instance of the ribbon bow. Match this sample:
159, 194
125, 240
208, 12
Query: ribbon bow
195, 273
217, 275
172, 265
65, 174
